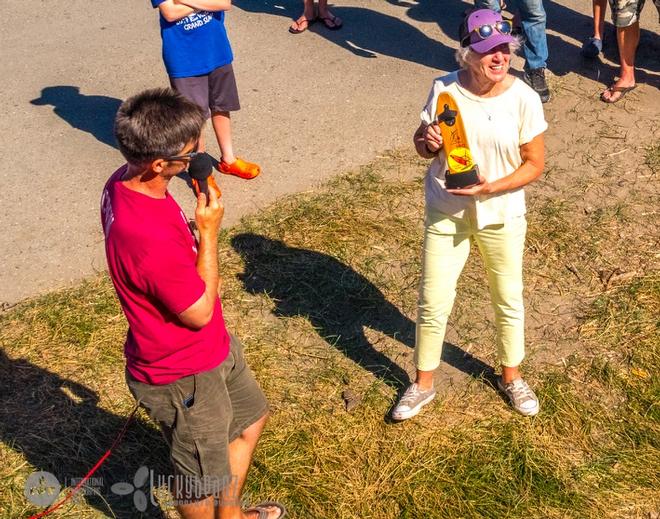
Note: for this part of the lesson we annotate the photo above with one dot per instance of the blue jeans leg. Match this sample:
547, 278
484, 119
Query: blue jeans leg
494, 5
532, 17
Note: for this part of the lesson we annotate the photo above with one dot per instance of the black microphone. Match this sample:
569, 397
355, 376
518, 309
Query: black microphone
200, 169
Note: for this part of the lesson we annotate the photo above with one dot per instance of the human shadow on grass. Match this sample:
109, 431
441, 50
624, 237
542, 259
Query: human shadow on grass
339, 303
93, 114
365, 32
56, 425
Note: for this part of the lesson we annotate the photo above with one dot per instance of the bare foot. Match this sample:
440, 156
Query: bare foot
301, 24
617, 90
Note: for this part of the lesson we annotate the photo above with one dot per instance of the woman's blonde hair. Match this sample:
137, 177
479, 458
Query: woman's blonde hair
462, 53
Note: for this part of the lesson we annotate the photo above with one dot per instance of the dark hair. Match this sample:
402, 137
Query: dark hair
155, 124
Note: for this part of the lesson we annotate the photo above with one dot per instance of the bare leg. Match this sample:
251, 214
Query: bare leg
424, 380
222, 128
204, 509
240, 458
201, 143
510, 374
599, 9
628, 39
593, 45
304, 20
229, 164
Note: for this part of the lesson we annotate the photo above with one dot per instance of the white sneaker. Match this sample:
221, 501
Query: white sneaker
411, 402
520, 395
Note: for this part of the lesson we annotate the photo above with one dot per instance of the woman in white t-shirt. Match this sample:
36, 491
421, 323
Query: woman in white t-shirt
504, 123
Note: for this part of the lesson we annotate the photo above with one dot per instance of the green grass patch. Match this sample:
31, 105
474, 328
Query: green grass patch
321, 288
653, 158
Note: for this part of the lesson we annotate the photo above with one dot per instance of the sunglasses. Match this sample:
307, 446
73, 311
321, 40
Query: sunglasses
186, 156
487, 30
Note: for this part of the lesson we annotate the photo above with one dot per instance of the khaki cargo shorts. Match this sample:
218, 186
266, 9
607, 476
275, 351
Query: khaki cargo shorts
626, 12
200, 415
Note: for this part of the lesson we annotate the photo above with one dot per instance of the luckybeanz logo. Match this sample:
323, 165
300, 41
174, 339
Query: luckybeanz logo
43, 488
142, 475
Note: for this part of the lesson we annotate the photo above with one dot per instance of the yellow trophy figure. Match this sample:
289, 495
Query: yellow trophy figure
462, 172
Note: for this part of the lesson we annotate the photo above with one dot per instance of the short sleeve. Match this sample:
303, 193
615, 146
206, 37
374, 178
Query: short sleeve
156, 3
440, 84
170, 275
428, 111
532, 120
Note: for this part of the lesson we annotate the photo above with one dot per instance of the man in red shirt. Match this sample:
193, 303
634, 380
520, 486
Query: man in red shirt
181, 363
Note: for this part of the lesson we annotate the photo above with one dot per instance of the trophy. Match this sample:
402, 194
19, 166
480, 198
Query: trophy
462, 172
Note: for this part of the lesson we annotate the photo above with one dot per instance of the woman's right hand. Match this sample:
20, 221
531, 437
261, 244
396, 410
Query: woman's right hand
428, 140
433, 138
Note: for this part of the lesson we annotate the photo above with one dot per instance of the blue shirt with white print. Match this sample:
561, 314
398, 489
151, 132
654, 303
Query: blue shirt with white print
195, 45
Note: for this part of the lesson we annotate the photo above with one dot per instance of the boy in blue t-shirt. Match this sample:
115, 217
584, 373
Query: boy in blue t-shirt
198, 58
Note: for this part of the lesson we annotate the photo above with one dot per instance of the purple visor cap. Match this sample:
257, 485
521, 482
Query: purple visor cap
484, 17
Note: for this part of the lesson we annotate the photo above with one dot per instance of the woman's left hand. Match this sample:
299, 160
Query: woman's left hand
481, 188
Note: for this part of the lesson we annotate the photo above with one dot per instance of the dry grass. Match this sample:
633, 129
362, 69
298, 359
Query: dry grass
321, 288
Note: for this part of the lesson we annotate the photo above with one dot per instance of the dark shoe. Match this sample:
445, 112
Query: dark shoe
592, 48
536, 79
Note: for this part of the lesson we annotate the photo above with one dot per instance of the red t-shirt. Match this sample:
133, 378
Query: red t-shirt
152, 262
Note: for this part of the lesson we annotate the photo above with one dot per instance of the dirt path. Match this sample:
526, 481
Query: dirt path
313, 105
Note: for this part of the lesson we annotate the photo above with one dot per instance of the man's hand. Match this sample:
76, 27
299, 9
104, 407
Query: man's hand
208, 219
209, 216
483, 187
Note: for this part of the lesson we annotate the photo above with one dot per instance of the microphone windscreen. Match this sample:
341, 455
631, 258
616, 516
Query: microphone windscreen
201, 166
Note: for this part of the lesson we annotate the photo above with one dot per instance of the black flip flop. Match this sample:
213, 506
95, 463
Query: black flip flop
334, 20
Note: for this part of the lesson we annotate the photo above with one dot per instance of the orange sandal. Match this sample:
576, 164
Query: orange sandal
240, 168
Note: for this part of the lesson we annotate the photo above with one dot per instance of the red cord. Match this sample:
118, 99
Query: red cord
75, 489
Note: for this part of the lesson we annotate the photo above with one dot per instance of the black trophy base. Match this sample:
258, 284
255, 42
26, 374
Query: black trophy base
461, 180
